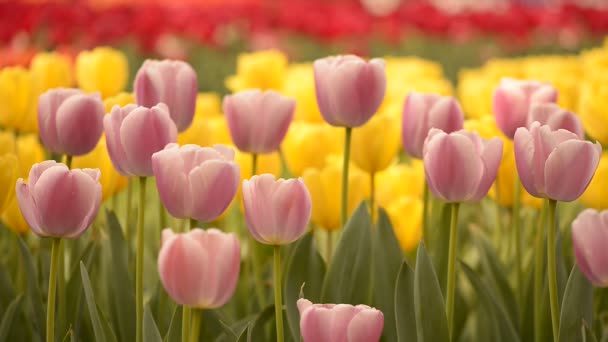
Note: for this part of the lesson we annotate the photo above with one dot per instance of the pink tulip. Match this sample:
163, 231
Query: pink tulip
460, 166
196, 182
277, 211
512, 100
339, 322
171, 82
58, 202
70, 121
556, 117
554, 164
200, 268
422, 112
589, 239
349, 90
134, 133
258, 121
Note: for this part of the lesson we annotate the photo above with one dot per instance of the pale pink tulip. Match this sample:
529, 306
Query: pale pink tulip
554, 116
589, 239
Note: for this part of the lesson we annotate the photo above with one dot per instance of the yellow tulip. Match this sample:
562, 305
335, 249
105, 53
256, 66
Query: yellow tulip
208, 105
595, 195
405, 214
7, 142
593, 102
307, 145
99, 159
486, 127
13, 219
51, 70
102, 69
475, 91
399, 180
375, 145
260, 69
206, 131
29, 152
300, 85
9, 170
325, 186
563, 72
19, 99
121, 99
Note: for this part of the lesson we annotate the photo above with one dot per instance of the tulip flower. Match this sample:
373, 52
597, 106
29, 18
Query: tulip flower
121, 99
595, 195
29, 152
300, 85
134, 133
555, 117
589, 239
375, 144
512, 101
592, 109
70, 121
18, 95
171, 82
99, 158
258, 121
8, 175
405, 214
13, 219
339, 322
258, 70
422, 112
196, 182
308, 144
208, 105
51, 70
206, 131
102, 69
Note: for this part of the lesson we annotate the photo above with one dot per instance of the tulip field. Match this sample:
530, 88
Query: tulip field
352, 196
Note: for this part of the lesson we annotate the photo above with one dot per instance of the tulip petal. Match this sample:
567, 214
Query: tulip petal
82, 116
172, 182
589, 237
213, 186
491, 157
111, 125
366, 326
28, 208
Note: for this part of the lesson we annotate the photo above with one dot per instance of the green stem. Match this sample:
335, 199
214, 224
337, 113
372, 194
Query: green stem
162, 215
139, 266
551, 268
451, 285
195, 329
329, 245
425, 214
50, 308
68, 161
497, 206
278, 299
186, 319
254, 164
538, 276
372, 196
517, 230
345, 165
128, 232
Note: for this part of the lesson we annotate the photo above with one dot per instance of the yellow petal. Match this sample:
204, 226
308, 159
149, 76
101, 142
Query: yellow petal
8, 178
595, 195
102, 69
52, 70
405, 214
260, 69
307, 145
375, 145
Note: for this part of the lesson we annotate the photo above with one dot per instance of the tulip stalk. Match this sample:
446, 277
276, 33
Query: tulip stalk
451, 285
50, 307
538, 275
551, 268
255, 262
139, 266
372, 196
517, 231
344, 212
196, 324
425, 214
128, 214
186, 319
278, 299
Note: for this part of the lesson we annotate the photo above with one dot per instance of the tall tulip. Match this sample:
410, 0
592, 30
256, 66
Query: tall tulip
589, 239
102, 69
556, 117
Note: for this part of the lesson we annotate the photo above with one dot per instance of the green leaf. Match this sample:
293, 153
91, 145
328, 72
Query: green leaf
305, 268
576, 306
255, 331
348, 279
74, 302
34, 297
387, 262
98, 326
7, 318
431, 321
494, 310
174, 332
151, 333
404, 305
587, 332
440, 221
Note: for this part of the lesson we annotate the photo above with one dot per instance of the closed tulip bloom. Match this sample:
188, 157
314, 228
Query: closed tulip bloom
339, 322
595, 195
300, 85
70, 121
277, 211
589, 239
200, 268
121, 99
349, 90
196, 182
556, 117
375, 144
99, 158
405, 214
258, 121
58, 202
18, 95
554, 164
421, 112
102, 69
8, 174
171, 82
308, 144
52, 70
512, 100
460, 166
206, 131
259, 70
593, 102
134, 133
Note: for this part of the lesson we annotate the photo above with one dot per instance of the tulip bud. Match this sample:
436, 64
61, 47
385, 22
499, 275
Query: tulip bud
102, 69
595, 195
58, 202
19, 96
259, 70
206, 131
592, 109
349, 90
200, 268
589, 239
375, 144
171, 82
52, 70
300, 85
307, 145
8, 174
121, 99
70, 121
555, 117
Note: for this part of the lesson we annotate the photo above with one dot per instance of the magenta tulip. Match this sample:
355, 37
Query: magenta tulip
70, 121
556, 117
422, 112
554, 164
200, 268
512, 100
58, 202
460, 166
339, 322
196, 182
589, 239
171, 82
134, 133
277, 211
258, 121
349, 90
